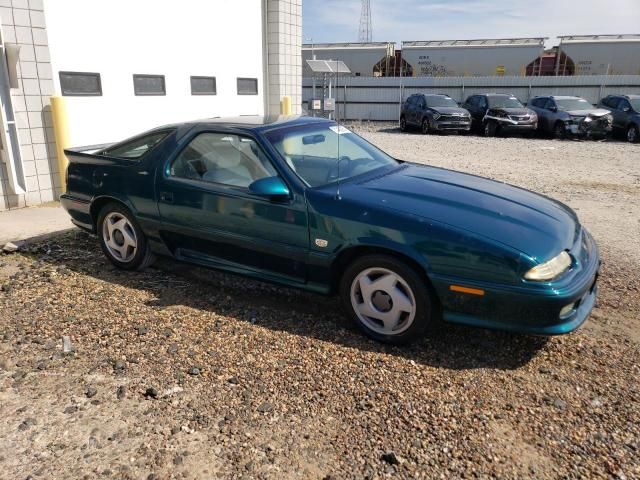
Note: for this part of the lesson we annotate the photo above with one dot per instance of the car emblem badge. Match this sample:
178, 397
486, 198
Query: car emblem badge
321, 242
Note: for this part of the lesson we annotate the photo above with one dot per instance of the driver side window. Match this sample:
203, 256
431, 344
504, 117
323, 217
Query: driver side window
222, 158
623, 104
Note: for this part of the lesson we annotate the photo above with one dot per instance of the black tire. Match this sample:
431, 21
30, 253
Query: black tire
403, 124
490, 128
559, 131
633, 134
424, 316
426, 126
142, 257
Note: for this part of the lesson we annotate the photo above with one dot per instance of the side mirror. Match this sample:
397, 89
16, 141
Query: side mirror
626, 109
553, 109
270, 187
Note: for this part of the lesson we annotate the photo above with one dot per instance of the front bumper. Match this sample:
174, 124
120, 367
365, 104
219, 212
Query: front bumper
508, 124
589, 129
528, 308
518, 127
452, 125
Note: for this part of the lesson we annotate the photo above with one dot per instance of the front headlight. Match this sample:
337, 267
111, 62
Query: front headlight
436, 115
551, 269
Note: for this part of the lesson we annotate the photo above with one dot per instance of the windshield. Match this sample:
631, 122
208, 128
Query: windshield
504, 102
441, 102
635, 103
312, 152
566, 104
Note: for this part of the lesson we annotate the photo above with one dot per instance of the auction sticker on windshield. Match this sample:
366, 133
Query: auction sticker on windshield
339, 129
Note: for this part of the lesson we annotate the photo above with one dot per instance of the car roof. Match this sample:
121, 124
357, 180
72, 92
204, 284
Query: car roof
624, 96
251, 122
558, 97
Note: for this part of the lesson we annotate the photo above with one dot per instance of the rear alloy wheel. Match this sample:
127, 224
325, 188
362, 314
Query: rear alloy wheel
559, 131
490, 129
403, 124
633, 134
426, 126
386, 299
121, 239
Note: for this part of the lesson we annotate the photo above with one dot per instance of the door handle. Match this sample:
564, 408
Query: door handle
166, 197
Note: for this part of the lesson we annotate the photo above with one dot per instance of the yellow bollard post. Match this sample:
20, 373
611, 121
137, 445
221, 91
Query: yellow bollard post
285, 105
61, 133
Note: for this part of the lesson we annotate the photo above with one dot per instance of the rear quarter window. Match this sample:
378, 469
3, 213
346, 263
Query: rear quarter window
136, 148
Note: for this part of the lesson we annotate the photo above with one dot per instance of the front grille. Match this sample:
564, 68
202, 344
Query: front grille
453, 118
519, 118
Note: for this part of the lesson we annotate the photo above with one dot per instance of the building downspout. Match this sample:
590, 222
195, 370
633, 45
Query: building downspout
265, 57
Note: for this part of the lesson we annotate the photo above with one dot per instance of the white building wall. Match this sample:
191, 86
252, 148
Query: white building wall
119, 38
23, 25
282, 50
225, 39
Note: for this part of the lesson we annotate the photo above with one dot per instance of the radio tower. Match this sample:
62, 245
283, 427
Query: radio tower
365, 33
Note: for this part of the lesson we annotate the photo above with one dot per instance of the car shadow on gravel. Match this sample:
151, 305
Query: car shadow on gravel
170, 283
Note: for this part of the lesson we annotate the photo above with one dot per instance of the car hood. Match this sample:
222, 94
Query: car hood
449, 110
512, 111
594, 112
535, 225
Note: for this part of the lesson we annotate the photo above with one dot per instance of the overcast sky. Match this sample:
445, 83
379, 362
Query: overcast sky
397, 20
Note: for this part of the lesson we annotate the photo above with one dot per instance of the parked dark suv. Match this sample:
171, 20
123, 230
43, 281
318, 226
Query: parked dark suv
565, 116
496, 113
626, 115
434, 113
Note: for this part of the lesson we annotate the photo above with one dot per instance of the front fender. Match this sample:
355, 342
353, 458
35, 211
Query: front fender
387, 244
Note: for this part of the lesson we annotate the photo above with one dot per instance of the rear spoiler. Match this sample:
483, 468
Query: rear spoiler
88, 148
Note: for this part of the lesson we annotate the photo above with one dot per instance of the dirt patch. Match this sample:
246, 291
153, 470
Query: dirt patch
181, 372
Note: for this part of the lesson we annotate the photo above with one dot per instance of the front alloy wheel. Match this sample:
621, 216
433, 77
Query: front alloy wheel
633, 134
559, 131
386, 299
383, 301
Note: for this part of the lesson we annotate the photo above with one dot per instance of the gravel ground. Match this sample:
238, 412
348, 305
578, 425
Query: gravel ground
181, 372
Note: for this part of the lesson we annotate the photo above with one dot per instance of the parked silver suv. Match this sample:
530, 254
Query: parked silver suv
565, 116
